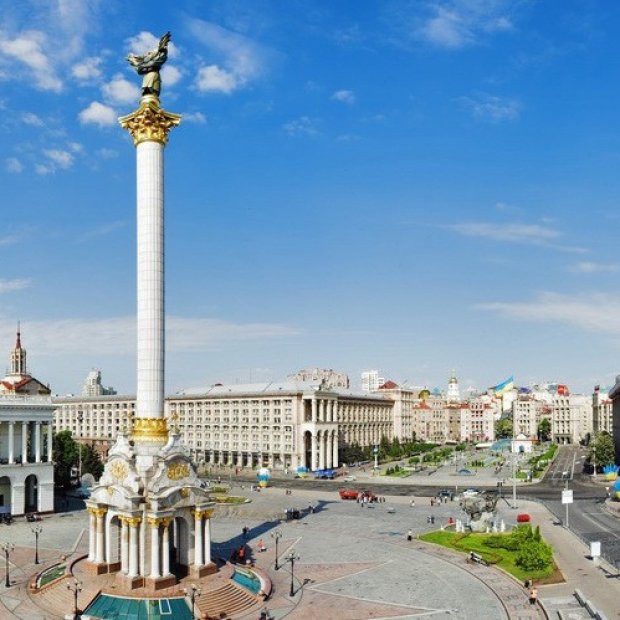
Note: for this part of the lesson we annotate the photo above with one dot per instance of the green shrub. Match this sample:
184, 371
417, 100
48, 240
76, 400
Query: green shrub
534, 555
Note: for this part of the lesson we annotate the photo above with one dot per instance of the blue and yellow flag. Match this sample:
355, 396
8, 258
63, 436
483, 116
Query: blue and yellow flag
505, 386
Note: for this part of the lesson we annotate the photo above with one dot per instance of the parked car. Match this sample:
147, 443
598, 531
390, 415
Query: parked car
348, 493
350, 478
449, 493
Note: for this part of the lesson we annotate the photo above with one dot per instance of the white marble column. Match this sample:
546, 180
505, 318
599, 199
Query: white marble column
334, 411
313, 451
100, 549
11, 443
335, 449
24, 442
198, 545
328, 450
124, 546
150, 273
155, 564
37, 442
133, 547
207, 542
322, 450
314, 410
166, 548
50, 442
92, 536
322, 410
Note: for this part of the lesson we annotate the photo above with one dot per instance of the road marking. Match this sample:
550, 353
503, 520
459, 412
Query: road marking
600, 525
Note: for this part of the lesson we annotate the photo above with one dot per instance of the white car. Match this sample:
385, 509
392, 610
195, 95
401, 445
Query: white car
350, 478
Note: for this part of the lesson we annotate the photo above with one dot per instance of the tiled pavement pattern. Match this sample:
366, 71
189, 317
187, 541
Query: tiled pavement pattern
355, 562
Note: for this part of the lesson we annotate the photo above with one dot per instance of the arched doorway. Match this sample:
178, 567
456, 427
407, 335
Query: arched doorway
5, 493
113, 543
31, 499
307, 449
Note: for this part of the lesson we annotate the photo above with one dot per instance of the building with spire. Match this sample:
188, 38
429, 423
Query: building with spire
26, 423
454, 394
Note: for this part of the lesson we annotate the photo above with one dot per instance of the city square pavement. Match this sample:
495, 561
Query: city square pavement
354, 561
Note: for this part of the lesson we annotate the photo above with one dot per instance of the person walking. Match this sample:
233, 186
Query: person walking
412, 503
533, 596
409, 535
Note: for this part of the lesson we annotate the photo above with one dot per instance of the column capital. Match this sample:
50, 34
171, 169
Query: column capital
166, 521
154, 522
133, 521
97, 512
149, 123
198, 514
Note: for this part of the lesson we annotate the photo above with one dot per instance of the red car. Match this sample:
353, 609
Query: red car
353, 494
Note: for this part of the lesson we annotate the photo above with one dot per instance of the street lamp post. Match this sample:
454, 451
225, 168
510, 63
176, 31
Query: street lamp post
36, 530
291, 557
76, 588
375, 451
192, 593
7, 547
276, 535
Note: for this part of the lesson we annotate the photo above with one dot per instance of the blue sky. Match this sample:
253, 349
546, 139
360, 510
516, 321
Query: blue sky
410, 186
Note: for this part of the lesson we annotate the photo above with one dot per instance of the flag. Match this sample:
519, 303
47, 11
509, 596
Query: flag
505, 386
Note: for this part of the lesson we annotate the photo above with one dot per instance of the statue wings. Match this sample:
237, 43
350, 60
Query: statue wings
153, 60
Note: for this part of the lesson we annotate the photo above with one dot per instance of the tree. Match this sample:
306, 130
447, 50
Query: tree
544, 429
503, 427
65, 456
91, 461
601, 450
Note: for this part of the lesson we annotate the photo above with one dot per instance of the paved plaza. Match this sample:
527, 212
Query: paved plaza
354, 561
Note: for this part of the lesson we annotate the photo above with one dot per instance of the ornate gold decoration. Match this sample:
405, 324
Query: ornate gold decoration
153, 521
133, 521
149, 123
198, 514
166, 521
184, 492
110, 490
119, 470
150, 430
177, 471
208, 513
98, 512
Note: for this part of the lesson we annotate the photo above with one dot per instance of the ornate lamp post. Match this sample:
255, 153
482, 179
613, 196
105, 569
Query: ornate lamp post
291, 557
76, 588
36, 530
7, 547
191, 594
276, 535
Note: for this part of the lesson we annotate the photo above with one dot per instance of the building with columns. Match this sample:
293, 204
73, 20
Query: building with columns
26, 425
602, 411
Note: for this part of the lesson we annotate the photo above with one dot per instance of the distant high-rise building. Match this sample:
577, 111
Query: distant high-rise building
93, 386
371, 381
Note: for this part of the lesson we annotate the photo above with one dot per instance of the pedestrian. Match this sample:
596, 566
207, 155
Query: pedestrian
241, 554
412, 503
244, 531
261, 545
533, 596
409, 535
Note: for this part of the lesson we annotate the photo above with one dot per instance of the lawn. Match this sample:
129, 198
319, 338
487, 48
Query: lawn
503, 558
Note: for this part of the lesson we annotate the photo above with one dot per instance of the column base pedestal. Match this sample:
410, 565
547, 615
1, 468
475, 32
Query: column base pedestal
94, 568
129, 583
159, 583
196, 572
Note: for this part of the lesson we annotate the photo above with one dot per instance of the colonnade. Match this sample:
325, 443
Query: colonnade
36, 443
323, 410
323, 449
160, 532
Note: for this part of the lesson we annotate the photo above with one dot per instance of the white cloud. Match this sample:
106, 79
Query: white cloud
120, 90
60, 158
98, 114
76, 147
590, 267
345, 96
18, 284
42, 169
492, 108
592, 312
453, 24
14, 165
101, 231
517, 233
240, 58
88, 69
27, 49
107, 153
117, 335
301, 126
194, 117
214, 79
29, 118
170, 75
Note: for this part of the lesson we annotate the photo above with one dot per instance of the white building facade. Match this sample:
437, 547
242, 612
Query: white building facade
26, 442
